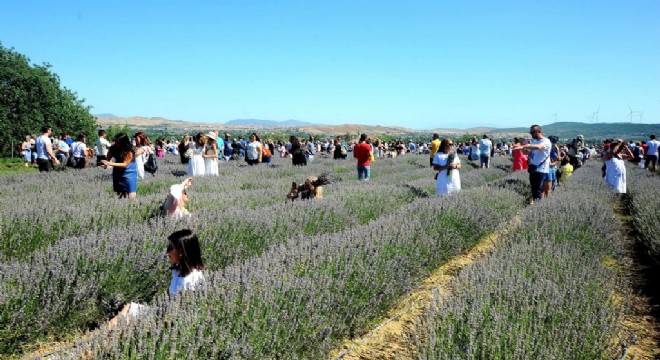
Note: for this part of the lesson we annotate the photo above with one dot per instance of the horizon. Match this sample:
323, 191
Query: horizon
524, 127
420, 65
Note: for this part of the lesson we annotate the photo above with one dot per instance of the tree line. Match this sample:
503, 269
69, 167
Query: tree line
31, 96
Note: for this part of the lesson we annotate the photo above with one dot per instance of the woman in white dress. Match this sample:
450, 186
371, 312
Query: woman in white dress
211, 155
447, 163
615, 168
143, 149
196, 166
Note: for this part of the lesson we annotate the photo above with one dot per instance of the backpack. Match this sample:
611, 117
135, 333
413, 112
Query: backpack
151, 166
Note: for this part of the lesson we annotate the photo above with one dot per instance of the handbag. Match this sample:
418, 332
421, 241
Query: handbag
151, 166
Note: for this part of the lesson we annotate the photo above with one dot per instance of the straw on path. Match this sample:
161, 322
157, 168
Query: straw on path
391, 339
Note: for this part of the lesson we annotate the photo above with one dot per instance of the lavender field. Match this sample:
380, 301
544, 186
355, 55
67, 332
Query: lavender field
292, 280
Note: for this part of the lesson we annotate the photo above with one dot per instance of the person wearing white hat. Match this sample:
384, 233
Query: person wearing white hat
211, 155
175, 204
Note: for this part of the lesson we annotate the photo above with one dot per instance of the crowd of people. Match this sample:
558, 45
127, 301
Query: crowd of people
547, 161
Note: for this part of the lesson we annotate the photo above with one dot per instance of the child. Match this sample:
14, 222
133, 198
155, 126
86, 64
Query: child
566, 169
175, 204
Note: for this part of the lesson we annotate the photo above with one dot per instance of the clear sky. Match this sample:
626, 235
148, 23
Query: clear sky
419, 64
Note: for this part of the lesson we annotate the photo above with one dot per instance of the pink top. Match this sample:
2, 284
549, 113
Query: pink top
519, 159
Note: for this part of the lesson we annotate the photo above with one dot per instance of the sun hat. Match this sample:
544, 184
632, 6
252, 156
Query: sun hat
212, 135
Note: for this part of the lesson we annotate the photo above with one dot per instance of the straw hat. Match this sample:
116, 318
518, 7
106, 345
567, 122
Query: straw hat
212, 135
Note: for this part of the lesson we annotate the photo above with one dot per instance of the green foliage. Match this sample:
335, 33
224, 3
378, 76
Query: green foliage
114, 129
31, 96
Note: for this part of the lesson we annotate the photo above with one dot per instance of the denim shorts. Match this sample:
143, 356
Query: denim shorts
485, 159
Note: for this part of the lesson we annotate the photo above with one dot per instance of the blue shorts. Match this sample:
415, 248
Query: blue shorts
552, 175
545, 177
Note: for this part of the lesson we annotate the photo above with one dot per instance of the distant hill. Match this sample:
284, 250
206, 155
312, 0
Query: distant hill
569, 130
106, 115
268, 123
564, 130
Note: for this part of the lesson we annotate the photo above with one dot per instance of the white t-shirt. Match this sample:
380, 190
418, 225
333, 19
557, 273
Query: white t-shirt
102, 146
63, 146
79, 149
652, 147
42, 143
253, 150
189, 282
485, 146
446, 183
541, 158
177, 284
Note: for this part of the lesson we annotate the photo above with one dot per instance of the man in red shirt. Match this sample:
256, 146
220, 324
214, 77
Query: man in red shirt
363, 152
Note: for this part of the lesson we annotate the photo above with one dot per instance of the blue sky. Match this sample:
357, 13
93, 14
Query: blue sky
419, 64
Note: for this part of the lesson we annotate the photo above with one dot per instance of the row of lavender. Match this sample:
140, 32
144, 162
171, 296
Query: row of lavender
644, 191
40, 209
548, 293
77, 282
302, 296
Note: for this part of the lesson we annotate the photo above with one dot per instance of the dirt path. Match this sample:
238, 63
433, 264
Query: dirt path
388, 339
641, 325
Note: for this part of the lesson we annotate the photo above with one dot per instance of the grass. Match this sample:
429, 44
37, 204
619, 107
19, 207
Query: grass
15, 166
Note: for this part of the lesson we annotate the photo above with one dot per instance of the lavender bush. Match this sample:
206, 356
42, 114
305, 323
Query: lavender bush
298, 299
77, 277
644, 196
547, 293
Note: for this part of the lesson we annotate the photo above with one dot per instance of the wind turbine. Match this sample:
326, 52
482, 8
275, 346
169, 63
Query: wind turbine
641, 116
590, 117
630, 114
597, 113
594, 115
633, 113
555, 115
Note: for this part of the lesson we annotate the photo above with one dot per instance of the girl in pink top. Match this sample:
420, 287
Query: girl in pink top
519, 158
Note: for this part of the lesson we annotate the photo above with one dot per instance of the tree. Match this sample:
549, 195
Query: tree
31, 96
115, 129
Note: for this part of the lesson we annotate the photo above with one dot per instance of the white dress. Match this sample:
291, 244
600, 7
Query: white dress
211, 165
196, 166
141, 159
447, 184
615, 174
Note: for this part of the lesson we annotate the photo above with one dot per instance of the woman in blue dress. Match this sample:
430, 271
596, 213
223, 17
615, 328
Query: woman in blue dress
124, 169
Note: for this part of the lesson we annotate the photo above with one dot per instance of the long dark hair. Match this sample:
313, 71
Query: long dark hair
122, 147
187, 244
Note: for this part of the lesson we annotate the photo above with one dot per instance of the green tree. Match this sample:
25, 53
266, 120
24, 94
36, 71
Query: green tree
31, 96
115, 129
